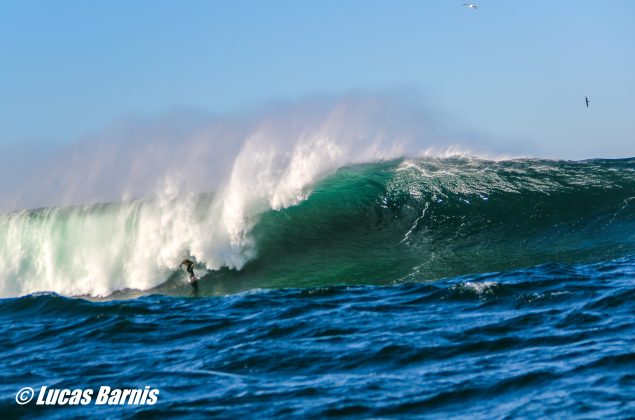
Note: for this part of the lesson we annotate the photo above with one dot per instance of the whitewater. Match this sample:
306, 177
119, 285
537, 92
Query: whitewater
374, 223
203, 205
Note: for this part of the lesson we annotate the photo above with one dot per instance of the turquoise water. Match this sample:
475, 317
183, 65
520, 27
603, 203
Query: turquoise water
422, 287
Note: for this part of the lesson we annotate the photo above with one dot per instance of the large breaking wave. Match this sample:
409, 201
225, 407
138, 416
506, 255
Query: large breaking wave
311, 217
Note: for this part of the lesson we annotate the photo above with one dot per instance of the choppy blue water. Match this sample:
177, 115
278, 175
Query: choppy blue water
553, 340
366, 299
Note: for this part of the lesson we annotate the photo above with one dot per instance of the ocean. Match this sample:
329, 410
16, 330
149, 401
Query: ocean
428, 287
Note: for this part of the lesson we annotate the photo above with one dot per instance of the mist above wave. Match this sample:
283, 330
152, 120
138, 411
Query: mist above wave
266, 160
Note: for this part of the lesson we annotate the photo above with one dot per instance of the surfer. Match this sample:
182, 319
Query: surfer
189, 267
586, 99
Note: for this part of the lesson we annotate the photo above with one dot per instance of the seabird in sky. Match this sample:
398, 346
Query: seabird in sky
586, 99
470, 6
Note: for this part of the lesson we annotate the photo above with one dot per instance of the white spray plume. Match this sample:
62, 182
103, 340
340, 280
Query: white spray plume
269, 160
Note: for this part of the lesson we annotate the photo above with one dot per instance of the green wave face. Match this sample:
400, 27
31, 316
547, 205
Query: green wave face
375, 223
419, 220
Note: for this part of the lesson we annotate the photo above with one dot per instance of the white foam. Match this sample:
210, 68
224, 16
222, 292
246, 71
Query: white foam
96, 250
271, 163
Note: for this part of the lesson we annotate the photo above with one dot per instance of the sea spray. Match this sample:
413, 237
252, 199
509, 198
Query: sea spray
373, 223
95, 249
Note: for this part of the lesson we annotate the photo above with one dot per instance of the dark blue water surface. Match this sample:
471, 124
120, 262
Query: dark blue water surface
554, 340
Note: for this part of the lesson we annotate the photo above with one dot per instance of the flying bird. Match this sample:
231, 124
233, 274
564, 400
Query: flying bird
586, 99
470, 6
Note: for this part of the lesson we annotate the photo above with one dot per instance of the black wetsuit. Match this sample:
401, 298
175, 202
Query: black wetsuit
193, 279
189, 267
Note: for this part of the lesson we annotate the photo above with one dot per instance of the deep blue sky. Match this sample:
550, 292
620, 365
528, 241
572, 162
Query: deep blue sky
513, 71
